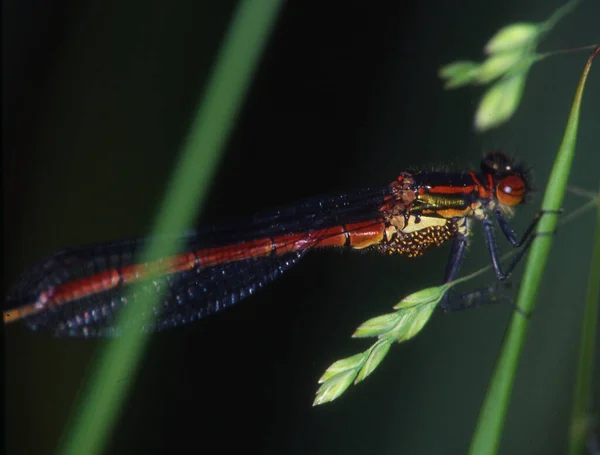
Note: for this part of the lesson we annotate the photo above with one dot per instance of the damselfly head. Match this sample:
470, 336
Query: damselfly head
512, 182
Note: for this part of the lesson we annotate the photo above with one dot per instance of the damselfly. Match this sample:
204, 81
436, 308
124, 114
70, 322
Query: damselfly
79, 291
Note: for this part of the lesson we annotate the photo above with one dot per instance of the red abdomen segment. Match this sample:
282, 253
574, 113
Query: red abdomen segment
70, 300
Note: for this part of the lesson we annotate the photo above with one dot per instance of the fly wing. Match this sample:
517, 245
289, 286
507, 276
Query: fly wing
310, 214
184, 297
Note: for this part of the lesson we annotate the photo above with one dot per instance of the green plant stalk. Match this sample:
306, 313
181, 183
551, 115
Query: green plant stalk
585, 368
545, 55
486, 438
110, 375
559, 14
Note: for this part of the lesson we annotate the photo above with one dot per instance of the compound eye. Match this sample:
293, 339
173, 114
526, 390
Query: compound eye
510, 190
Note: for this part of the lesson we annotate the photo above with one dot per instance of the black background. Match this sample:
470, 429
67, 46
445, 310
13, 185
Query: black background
97, 98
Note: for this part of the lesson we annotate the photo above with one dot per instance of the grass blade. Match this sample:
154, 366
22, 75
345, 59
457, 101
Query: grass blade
487, 434
110, 376
585, 367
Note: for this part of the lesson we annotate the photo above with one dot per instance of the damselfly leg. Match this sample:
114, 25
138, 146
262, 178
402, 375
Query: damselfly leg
525, 243
453, 301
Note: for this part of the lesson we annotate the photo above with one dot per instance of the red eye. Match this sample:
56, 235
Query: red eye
510, 190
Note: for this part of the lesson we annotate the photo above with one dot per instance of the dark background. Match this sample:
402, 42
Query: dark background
97, 98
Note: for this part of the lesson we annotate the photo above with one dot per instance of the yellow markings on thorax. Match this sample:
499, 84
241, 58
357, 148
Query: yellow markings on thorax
422, 222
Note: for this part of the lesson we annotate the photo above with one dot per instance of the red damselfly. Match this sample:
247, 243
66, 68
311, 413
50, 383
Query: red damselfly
79, 291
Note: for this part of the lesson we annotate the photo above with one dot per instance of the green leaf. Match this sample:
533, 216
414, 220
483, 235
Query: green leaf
500, 102
428, 296
418, 322
513, 37
498, 65
343, 365
412, 314
378, 352
334, 387
459, 73
412, 324
377, 326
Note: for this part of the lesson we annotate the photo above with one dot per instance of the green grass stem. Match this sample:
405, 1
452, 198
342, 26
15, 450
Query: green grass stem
487, 435
111, 374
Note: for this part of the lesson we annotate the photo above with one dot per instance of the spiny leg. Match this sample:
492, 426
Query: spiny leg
510, 234
453, 301
456, 301
524, 243
483, 296
457, 254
